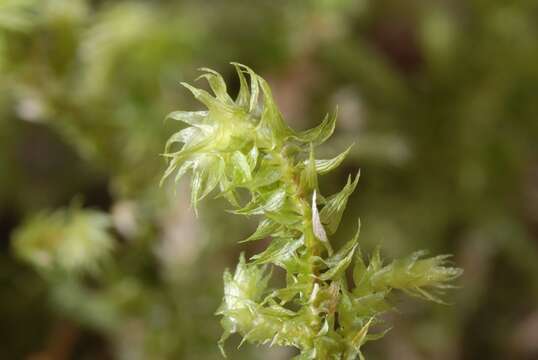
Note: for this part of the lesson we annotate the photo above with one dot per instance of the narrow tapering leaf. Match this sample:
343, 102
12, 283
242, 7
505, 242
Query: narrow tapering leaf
331, 214
324, 166
243, 97
320, 133
217, 84
189, 117
264, 229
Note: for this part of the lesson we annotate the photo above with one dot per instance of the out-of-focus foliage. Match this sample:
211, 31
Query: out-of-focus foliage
437, 96
245, 144
69, 241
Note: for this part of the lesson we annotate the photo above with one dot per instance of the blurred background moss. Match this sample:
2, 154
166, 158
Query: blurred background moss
99, 262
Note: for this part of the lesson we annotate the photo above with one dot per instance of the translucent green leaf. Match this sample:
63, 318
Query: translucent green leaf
183, 137
288, 293
217, 84
376, 263
254, 87
377, 336
242, 165
172, 166
324, 166
359, 269
320, 133
278, 251
298, 265
197, 145
339, 262
345, 250
273, 203
198, 176
227, 192
331, 214
214, 174
267, 175
309, 175
208, 100
371, 304
271, 117
253, 157
346, 312
360, 337
286, 216
265, 228
243, 97
189, 117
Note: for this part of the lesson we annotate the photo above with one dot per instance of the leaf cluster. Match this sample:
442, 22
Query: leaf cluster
67, 240
244, 143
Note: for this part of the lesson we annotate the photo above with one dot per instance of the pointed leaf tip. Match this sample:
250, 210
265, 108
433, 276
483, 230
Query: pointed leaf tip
320, 133
325, 166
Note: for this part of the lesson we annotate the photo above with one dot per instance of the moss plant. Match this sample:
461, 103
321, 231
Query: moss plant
244, 143
71, 240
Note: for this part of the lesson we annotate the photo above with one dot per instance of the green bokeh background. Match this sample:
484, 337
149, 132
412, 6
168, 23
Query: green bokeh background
439, 97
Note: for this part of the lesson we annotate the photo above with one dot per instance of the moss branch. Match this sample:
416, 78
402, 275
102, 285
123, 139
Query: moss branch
244, 143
